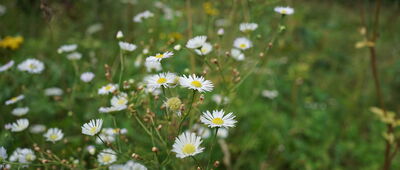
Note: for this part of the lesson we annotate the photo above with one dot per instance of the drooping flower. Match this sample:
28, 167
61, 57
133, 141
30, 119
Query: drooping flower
15, 99
196, 83
196, 42
187, 144
158, 57
20, 111
218, 119
242, 43
284, 10
87, 77
53, 135
32, 66
93, 127
106, 157
247, 27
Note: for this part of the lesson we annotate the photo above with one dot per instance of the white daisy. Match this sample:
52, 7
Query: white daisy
53, 135
284, 10
187, 144
120, 34
271, 94
53, 91
237, 54
87, 77
218, 119
20, 111
119, 100
205, 49
106, 157
74, 56
152, 65
109, 88
7, 66
247, 27
37, 128
220, 31
15, 99
31, 65
196, 42
93, 127
143, 15
20, 125
131, 165
67, 48
127, 46
158, 57
161, 79
242, 43
112, 109
196, 83
23, 155
91, 149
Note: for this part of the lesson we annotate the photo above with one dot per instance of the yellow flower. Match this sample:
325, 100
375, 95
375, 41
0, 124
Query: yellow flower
11, 42
209, 9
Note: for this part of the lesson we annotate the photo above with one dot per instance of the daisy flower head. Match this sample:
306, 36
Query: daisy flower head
248, 27
284, 10
74, 56
218, 119
242, 43
196, 83
119, 100
24, 155
6, 66
53, 135
93, 127
153, 65
106, 157
205, 49
143, 15
20, 111
196, 42
109, 88
158, 57
237, 54
15, 99
127, 46
160, 80
187, 144
87, 77
67, 48
32, 66
19, 126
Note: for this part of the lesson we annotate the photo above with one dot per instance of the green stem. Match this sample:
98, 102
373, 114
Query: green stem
187, 114
121, 58
212, 146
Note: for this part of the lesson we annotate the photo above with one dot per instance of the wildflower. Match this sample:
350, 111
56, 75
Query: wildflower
7, 66
15, 99
53, 91
120, 35
247, 27
18, 126
109, 88
284, 10
173, 103
127, 46
152, 65
11, 42
205, 49
177, 47
38, 128
87, 77
121, 100
20, 111
31, 66
158, 57
144, 15
3, 154
74, 56
111, 109
93, 127
219, 99
91, 149
162, 79
145, 51
237, 54
106, 157
196, 42
242, 43
220, 31
223, 133
187, 144
53, 135
218, 119
130, 165
94, 28
201, 131
196, 83
271, 94
23, 155
67, 48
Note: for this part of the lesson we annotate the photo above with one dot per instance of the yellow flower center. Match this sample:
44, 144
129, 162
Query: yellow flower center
188, 149
121, 101
93, 130
217, 121
203, 50
161, 80
108, 87
14, 99
283, 11
106, 158
53, 137
196, 84
242, 45
159, 55
28, 157
32, 66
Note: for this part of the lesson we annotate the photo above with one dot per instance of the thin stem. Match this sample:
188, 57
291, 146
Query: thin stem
212, 146
121, 59
187, 114
118, 130
195, 160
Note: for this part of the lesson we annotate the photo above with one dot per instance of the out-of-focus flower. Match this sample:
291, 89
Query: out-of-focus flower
219, 99
109, 88
196, 42
284, 10
218, 119
153, 65
205, 49
53, 91
74, 56
53, 135
23, 155
20, 111
209, 9
11, 42
67, 48
223, 133
247, 27
271, 94
196, 83
173, 104
37, 128
237, 54
15, 99
177, 47
3, 10
158, 57
127, 46
120, 34
204, 132
3, 154
93, 127
143, 15
91, 149
6, 66
19, 125
32, 66
242, 43
220, 31
87, 77
120, 100
187, 144
94, 28
106, 157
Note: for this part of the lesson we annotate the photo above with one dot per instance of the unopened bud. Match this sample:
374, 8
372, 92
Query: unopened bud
216, 164
154, 149
214, 60
135, 156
